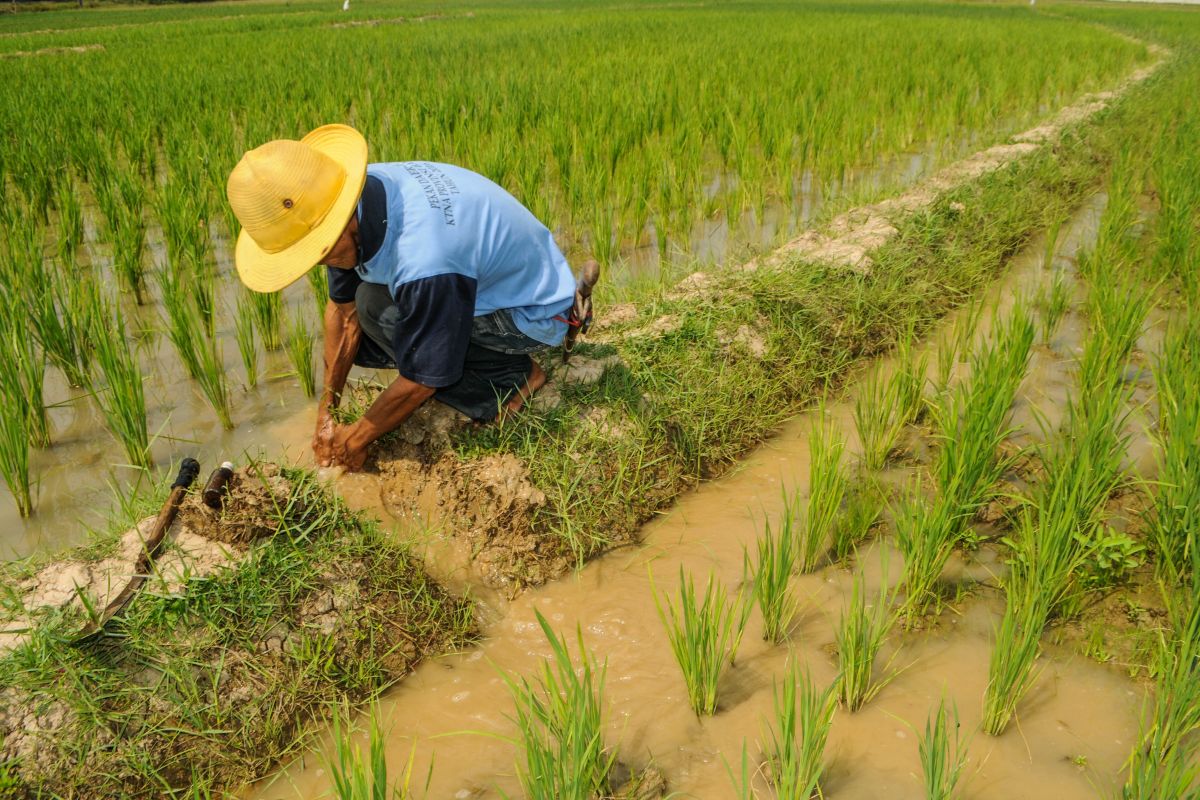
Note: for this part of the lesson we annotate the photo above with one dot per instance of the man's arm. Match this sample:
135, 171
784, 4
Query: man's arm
342, 334
394, 405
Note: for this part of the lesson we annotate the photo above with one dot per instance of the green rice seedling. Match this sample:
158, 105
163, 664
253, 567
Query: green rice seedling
1051, 247
129, 250
14, 455
243, 322
1118, 308
560, 719
1176, 522
771, 577
926, 533
860, 635
803, 718
318, 281
827, 483
1054, 303
1015, 652
971, 421
268, 318
364, 776
943, 753
300, 353
199, 351
70, 217
61, 310
704, 634
122, 400
884, 407
1164, 762
863, 507
22, 377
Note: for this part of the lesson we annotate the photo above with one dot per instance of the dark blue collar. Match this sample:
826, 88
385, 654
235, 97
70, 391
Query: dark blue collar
372, 219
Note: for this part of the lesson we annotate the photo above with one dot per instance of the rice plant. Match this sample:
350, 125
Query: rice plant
268, 318
771, 576
243, 328
122, 399
199, 351
971, 420
884, 406
70, 217
300, 352
705, 634
926, 533
318, 282
1176, 522
863, 507
364, 776
1014, 653
1054, 303
943, 753
14, 455
22, 377
560, 719
827, 483
860, 634
803, 718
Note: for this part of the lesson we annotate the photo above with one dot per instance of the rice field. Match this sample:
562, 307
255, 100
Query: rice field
943, 537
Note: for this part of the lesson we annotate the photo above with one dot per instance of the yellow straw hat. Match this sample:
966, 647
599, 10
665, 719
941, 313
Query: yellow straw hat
294, 200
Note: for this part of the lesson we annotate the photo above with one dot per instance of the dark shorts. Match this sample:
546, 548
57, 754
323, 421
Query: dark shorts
497, 360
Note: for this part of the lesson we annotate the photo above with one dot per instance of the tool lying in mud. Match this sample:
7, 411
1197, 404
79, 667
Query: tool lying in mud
580, 318
217, 488
188, 471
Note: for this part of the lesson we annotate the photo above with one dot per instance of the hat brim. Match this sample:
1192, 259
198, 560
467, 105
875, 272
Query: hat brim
269, 272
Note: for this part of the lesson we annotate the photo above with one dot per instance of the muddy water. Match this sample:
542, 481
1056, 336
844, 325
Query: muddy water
1075, 727
76, 477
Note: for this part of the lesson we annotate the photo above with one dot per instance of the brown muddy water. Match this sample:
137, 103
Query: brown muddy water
1075, 728
77, 476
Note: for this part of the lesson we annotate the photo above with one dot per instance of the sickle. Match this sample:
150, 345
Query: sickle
188, 471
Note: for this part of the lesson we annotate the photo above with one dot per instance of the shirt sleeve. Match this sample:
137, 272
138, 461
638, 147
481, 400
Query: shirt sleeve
343, 283
434, 329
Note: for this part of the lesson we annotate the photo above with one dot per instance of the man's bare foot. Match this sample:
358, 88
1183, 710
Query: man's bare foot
535, 381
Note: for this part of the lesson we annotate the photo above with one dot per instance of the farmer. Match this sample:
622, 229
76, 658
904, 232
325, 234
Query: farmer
434, 271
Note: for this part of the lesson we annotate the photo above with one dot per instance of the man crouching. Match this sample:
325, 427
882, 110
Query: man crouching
434, 271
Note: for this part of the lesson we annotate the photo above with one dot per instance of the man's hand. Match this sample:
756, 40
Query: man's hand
345, 449
322, 443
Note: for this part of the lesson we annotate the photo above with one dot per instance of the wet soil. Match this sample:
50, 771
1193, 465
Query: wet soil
1074, 729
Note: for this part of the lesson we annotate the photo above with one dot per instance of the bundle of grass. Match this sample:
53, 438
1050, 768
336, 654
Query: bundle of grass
299, 346
885, 405
803, 719
943, 753
771, 577
864, 505
1053, 302
243, 328
122, 399
926, 533
860, 635
1017, 646
704, 634
364, 776
560, 723
199, 350
827, 483
971, 421
268, 318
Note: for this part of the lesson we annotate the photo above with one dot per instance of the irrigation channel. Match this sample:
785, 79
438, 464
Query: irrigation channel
1075, 727
76, 477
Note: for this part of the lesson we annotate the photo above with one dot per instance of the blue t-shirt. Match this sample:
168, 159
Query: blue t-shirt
452, 245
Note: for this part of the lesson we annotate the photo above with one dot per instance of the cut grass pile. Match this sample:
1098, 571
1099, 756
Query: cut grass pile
211, 685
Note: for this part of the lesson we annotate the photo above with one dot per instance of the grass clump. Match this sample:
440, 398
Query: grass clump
705, 635
200, 660
827, 483
560, 720
123, 398
860, 635
771, 576
943, 753
803, 719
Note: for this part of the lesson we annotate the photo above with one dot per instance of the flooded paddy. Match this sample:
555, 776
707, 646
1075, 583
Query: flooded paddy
1075, 727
